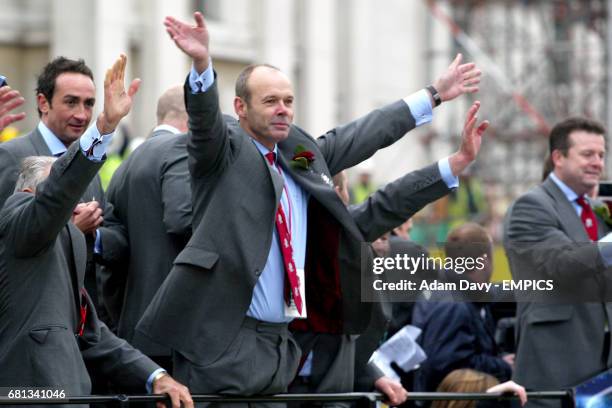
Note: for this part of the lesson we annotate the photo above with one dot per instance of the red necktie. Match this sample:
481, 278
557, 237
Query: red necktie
284, 239
588, 218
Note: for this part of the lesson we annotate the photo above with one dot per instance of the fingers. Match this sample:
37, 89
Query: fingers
456, 61
134, 86
170, 23
471, 116
466, 68
8, 119
4, 91
522, 394
9, 100
480, 131
510, 386
121, 69
87, 216
471, 75
177, 392
199, 18
7, 94
10, 104
470, 78
185, 396
395, 393
107, 78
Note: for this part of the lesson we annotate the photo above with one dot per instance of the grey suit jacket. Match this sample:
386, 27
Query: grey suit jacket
42, 274
559, 345
33, 144
202, 303
150, 224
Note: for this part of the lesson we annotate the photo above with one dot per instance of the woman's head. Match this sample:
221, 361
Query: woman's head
464, 380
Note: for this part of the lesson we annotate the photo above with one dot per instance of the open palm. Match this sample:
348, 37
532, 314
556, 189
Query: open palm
117, 102
192, 40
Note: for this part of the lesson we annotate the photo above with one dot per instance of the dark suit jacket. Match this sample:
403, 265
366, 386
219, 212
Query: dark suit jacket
41, 290
33, 144
456, 335
559, 344
387, 319
201, 305
151, 200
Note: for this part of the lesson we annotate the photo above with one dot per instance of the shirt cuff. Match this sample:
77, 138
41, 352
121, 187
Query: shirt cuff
452, 182
201, 83
419, 104
93, 144
151, 378
605, 249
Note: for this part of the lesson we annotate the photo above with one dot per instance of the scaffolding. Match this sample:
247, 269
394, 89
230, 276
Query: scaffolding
544, 60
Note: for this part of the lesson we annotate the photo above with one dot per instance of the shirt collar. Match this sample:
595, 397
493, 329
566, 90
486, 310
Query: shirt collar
567, 191
56, 147
167, 128
263, 149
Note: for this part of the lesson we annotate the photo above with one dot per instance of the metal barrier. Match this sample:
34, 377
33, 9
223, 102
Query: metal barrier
363, 399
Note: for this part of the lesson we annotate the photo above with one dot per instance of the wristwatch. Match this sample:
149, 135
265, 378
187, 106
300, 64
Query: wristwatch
435, 95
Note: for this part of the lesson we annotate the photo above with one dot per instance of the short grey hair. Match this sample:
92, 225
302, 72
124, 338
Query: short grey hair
33, 171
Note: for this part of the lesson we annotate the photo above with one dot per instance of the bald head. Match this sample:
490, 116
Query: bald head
171, 109
264, 104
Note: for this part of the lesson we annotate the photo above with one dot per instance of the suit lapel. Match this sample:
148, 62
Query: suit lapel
38, 143
571, 222
314, 181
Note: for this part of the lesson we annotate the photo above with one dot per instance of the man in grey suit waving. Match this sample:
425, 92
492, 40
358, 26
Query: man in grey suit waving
65, 96
265, 210
551, 233
49, 327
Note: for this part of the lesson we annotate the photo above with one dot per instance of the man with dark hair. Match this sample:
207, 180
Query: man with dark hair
551, 232
65, 96
49, 327
47, 80
258, 187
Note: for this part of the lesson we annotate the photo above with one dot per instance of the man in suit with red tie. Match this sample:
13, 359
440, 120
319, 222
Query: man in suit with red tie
265, 210
552, 233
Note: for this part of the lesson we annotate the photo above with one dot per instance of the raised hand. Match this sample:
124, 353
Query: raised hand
458, 79
9, 100
192, 40
117, 102
471, 139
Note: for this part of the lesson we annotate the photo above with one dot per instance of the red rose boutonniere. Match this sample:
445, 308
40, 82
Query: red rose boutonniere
302, 157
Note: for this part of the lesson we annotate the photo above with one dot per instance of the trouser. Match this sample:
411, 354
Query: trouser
333, 366
261, 359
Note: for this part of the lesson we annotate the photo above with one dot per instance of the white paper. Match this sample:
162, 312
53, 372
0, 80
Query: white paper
402, 349
291, 310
